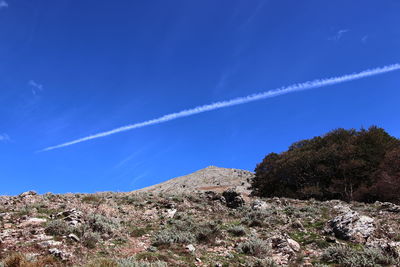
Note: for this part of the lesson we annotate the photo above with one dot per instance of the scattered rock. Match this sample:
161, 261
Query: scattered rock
388, 206
211, 195
171, 213
28, 193
350, 225
285, 249
49, 243
259, 205
74, 237
190, 248
72, 216
293, 245
152, 249
59, 254
233, 199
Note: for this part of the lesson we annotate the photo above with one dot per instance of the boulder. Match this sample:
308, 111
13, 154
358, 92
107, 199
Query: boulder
350, 225
233, 199
211, 195
72, 216
259, 205
59, 254
293, 245
190, 248
170, 213
28, 193
74, 237
284, 249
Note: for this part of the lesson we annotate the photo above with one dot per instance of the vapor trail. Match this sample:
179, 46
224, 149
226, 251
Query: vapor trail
238, 101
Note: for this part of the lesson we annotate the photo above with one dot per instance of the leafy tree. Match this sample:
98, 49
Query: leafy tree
342, 164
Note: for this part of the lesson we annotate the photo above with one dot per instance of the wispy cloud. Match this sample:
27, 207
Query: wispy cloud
36, 87
4, 138
364, 39
252, 16
3, 4
339, 34
238, 101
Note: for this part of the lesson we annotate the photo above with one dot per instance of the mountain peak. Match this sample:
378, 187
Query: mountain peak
210, 178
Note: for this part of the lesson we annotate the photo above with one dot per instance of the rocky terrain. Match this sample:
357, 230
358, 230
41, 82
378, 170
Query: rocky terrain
206, 227
211, 178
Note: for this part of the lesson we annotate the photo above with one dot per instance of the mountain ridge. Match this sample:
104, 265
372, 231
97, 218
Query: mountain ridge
210, 178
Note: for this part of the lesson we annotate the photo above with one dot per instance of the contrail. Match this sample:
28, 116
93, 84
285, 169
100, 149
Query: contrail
238, 101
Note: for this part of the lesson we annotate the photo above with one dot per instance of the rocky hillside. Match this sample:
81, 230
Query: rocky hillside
196, 229
206, 218
211, 178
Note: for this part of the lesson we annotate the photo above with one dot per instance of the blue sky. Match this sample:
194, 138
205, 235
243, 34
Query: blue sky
74, 68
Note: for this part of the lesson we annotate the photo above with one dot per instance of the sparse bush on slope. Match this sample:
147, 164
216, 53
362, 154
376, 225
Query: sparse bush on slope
343, 164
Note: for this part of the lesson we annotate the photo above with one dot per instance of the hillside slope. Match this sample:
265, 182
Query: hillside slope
211, 178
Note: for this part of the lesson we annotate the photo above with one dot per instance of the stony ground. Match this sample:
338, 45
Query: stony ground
199, 229
211, 178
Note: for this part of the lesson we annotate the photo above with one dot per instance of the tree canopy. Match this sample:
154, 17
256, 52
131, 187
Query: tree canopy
343, 164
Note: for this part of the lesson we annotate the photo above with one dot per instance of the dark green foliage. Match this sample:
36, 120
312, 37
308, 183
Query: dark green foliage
343, 164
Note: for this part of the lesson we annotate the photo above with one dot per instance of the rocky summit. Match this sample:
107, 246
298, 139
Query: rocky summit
203, 219
211, 178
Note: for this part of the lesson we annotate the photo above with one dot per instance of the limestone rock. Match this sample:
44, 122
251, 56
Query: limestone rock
350, 225
73, 237
59, 254
28, 193
190, 248
259, 205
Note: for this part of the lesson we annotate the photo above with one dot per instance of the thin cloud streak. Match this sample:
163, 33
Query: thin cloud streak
238, 101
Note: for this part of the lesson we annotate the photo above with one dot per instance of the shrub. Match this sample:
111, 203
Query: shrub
167, 236
20, 260
92, 198
58, 228
103, 225
207, 233
263, 263
255, 247
90, 239
342, 164
237, 230
259, 217
351, 257
131, 262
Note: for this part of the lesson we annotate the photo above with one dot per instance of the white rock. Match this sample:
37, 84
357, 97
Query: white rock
171, 213
293, 245
350, 225
190, 248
